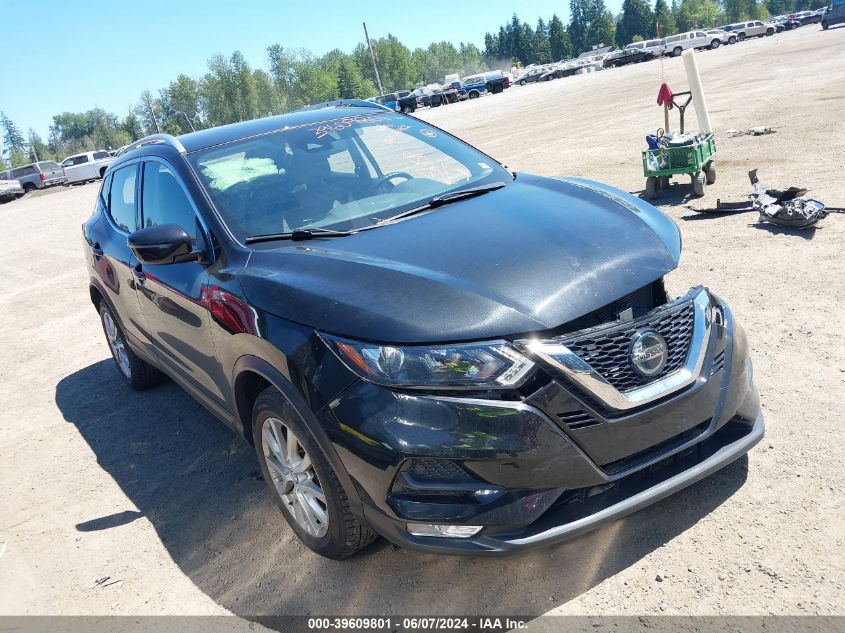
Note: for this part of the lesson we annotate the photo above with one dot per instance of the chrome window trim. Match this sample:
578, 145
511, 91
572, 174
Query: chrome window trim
583, 375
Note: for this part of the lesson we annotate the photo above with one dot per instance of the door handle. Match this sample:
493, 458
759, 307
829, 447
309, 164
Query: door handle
140, 275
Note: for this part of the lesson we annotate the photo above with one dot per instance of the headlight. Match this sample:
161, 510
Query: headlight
493, 365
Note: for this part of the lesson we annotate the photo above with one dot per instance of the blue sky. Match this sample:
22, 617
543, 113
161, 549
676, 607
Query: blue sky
72, 56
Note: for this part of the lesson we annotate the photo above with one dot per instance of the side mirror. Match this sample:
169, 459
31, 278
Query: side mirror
162, 244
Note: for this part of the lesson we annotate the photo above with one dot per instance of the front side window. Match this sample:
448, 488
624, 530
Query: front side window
121, 199
164, 201
343, 173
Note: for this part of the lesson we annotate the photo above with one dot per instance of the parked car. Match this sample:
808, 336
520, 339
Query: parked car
655, 46
754, 28
390, 100
560, 70
531, 76
10, 190
628, 56
496, 81
834, 14
725, 37
674, 45
807, 17
86, 166
473, 86
40, 175
417, 342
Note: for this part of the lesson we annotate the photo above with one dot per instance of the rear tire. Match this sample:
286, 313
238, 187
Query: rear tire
770, 32
28, 188
699, 184
136, 372
824, 26
651, 186
332, 530
714, 44
522, 82
677, 51
732, 39
741, 37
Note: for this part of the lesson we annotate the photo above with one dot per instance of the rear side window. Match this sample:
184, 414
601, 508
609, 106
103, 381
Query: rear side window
121, 199
99, 155
164, 201
23, 171
49, 165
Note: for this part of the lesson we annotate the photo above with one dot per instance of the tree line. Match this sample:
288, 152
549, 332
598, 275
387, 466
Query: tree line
232, 90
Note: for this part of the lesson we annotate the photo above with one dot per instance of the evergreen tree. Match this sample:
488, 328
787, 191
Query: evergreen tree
636, 19
664, 20
559, 42
349, 80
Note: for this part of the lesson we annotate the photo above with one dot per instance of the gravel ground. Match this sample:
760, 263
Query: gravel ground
114, 502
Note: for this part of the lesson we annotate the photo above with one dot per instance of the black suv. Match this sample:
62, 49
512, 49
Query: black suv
419, 343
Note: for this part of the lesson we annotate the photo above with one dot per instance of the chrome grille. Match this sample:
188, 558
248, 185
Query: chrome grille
606, 350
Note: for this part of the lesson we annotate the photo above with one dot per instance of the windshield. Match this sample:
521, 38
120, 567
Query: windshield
342, 174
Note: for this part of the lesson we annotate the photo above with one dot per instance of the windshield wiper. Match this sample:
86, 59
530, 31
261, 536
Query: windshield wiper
433, 203
297, 235
445, 198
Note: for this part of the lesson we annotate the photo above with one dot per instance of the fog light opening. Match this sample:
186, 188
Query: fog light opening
444, 531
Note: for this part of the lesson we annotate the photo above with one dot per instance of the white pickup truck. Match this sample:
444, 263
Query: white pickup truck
86, 166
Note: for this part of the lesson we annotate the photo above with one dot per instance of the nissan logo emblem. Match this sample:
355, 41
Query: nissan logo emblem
648, 353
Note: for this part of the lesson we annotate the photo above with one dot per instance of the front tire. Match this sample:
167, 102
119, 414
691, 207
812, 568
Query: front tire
732, 40
741, 37
677, 51
714, 44
770, 32
824, 26
136, 372
699, 184
302, 482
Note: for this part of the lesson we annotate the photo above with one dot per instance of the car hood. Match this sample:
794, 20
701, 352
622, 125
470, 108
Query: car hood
528, 257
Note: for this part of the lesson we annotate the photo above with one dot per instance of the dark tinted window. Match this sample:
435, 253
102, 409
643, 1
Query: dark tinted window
99, 155
23, 171
49, 165
121, 198
164, 200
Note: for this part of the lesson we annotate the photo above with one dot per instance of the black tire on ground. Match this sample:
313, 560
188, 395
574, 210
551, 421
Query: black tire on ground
770, 32
407, 109
824, 26
710, 172
136, 372
103, 172
663, 183
29, 187
741, 37
346, 535
715, 44
732, 39
522, 82
651, 186
676, 52
473, 95
699, 183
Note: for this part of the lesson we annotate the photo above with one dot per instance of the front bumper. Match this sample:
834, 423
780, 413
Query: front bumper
570, 519
543, 464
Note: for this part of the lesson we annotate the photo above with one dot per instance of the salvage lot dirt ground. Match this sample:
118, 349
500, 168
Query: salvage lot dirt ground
152, 494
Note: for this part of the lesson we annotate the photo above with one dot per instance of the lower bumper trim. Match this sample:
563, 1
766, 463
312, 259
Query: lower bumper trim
549, 529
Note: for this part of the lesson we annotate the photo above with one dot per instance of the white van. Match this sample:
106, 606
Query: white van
674, 45
654, 46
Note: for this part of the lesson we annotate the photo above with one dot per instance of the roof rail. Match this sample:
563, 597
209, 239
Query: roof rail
344, 103
154, 139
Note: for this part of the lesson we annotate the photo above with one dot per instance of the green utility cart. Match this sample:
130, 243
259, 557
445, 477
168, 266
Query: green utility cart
696, 159
659, 165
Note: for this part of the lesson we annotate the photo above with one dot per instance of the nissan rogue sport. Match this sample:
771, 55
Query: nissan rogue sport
419, 343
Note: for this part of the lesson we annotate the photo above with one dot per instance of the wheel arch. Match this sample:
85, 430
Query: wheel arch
251, 375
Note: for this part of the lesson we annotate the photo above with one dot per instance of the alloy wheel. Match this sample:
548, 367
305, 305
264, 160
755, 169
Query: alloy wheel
117, 344
294, 477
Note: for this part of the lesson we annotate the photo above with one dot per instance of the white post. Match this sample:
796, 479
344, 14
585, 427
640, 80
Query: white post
694, 80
